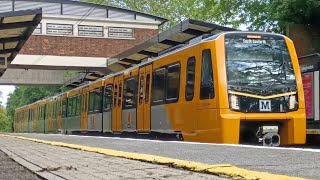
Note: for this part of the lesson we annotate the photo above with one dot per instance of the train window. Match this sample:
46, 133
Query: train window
41, 115
130, 91
191, 68
91, 101
64, 107
158, 85
120, 94
46, 110
141, 89
206, 86
173, 83
69, 106
97, 100
115, 95
108, 98
78, 105
147, 88
74, 105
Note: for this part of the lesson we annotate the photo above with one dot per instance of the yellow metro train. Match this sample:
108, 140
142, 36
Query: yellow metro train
232, 87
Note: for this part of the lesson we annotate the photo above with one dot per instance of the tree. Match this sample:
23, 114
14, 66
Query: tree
4, 120
258, 15
24, 95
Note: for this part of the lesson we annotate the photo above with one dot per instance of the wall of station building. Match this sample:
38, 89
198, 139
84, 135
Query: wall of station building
70, 28
84, 46
307, 41
305, 37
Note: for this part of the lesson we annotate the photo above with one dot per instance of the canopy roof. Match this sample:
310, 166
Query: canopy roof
15, 29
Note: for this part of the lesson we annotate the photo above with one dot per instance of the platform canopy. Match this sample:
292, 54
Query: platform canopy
15, 29
173, 37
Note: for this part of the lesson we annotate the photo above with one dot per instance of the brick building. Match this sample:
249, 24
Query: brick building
75, 34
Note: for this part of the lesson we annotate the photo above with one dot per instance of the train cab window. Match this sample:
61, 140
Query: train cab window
108, 98
147, 88
191, 67
130, 91
206, 86
158, 85
173, 83
91, 101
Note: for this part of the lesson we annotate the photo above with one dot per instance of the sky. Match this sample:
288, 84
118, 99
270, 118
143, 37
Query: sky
5, 92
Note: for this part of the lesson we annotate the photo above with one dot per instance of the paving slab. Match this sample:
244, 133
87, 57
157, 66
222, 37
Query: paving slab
53, 162
297, 162
11, 170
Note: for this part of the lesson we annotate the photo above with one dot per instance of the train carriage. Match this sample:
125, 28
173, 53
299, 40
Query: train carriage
232, 87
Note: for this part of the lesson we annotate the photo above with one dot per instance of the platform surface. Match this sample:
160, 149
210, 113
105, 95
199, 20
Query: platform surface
296, 162
53, 162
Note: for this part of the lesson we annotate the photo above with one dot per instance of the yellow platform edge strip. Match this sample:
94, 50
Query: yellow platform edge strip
219, 169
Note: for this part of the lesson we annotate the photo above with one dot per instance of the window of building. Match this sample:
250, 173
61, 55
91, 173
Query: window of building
158, 85
108, 98
90, 31
119, 32
173, 82
206, 86
191, 68
38, 29
130, 91
60, 29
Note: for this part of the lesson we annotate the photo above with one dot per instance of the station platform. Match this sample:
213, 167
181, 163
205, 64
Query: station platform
92, 157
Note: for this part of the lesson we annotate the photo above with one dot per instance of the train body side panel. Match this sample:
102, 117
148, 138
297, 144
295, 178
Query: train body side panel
107, 120
129, 120
95, 122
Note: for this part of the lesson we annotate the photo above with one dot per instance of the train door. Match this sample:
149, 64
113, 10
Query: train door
207, 119
84, 110
117, 104
144, 91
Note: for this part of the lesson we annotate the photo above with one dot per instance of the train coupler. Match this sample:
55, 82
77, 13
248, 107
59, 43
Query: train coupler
268, 135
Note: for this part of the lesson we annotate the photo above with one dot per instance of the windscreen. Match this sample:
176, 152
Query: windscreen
258, 63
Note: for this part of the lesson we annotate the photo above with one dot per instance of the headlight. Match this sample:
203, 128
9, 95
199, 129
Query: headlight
293, 102
234, 102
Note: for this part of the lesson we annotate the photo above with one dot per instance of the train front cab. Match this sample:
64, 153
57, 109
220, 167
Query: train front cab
251, 103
